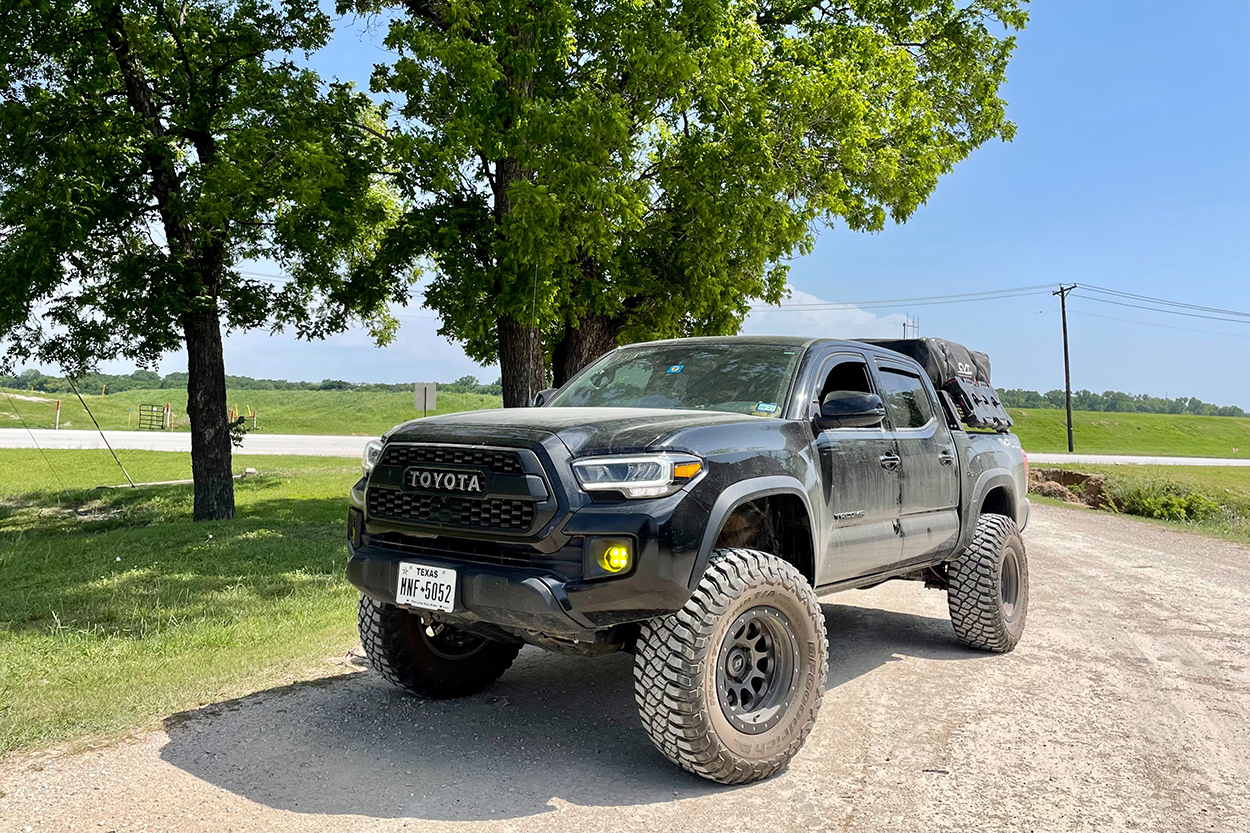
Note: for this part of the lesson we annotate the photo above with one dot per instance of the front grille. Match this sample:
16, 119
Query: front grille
452, 510
566, 562
499, 462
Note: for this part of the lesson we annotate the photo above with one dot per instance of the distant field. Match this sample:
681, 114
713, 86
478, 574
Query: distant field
1165, 435
371, 413
279, 411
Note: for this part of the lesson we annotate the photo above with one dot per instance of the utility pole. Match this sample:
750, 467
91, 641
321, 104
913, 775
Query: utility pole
1067, 367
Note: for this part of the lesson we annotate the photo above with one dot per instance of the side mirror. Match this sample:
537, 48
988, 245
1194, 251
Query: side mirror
850, 409
543, 397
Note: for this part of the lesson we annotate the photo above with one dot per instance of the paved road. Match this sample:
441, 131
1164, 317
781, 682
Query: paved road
1113, 459
330, 446
1125, 707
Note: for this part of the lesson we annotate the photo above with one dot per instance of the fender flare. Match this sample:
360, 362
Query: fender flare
742, 492
988, 481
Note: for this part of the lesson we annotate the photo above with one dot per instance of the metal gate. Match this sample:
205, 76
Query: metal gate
151, 417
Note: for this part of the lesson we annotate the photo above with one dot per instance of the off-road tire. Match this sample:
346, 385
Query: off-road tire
399, 648
978, 581
675, 669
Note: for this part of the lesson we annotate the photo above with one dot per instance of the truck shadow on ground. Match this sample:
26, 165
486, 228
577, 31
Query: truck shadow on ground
554, 729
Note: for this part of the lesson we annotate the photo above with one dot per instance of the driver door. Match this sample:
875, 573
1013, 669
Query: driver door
861, 482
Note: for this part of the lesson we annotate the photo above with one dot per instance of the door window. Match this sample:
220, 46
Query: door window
905, 399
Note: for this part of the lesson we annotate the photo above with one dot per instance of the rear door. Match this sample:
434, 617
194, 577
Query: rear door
928, 465
860, 479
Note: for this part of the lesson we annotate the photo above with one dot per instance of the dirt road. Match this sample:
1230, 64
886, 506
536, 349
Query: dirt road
1127, 706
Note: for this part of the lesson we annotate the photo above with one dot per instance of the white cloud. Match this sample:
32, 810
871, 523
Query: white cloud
841, 321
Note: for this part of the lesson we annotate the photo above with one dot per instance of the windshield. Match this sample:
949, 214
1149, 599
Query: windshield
736, 377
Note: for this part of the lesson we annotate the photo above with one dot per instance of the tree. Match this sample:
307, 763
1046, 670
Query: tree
582, 172
147, 148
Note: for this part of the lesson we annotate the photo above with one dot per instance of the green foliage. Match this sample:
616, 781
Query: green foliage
116, 610
1165, 501
1214, 500
148, 147
1114, 401
651, 166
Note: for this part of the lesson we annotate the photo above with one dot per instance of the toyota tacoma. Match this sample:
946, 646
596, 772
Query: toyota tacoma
689, 501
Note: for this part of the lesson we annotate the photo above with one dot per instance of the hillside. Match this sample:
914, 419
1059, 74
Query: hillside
1165, 435
278, 411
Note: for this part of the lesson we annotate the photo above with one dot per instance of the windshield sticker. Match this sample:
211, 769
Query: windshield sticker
676, 368
766, 407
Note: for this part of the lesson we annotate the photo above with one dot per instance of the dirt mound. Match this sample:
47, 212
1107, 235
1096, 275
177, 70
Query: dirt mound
1070, 486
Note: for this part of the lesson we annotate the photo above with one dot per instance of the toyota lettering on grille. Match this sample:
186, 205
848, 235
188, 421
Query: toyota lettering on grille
446, 481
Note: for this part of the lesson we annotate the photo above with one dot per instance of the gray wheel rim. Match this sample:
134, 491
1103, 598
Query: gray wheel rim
1009, 583
757, 670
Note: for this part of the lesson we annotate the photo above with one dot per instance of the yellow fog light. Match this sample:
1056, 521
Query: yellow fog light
610, 556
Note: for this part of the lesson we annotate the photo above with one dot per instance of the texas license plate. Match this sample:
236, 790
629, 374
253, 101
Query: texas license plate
430, 588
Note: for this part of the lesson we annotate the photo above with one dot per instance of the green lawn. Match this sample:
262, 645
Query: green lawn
366, 413
116, 610
1163, 435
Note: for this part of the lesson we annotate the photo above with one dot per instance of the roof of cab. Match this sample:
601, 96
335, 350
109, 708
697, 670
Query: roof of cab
781, 341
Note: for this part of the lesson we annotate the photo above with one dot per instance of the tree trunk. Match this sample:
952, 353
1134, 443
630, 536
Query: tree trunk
521, 365
581, 344
206, 406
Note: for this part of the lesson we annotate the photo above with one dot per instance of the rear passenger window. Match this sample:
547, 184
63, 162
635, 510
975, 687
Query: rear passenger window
905, 399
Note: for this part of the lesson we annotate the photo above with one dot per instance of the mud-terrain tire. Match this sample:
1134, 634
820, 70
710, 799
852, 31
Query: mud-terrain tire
729, 686
988, 591
452, 663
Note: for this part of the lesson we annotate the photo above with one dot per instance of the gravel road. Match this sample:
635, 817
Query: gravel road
1127, 706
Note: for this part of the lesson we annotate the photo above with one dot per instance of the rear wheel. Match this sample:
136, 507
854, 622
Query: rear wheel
988, 594
729, 686
435, 660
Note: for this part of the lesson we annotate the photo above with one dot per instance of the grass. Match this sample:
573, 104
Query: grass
1227, 486
116, 610
1161, 435
366, 413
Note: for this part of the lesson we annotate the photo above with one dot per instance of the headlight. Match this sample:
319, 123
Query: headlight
371, 455
640, 475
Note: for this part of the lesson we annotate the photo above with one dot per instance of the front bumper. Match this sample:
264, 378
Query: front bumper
544, 592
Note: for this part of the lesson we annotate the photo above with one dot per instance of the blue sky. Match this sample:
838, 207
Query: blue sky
1130, 170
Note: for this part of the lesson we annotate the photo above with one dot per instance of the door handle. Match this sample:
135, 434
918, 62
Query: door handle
890, 461
946, 457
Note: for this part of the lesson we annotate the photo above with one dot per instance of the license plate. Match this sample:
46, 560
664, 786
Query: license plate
430, 588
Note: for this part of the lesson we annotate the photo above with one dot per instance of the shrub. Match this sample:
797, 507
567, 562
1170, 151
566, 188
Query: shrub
1164, 500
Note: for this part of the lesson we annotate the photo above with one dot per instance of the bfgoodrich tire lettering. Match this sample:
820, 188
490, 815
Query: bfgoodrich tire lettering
989, 587
682, 704
450, 663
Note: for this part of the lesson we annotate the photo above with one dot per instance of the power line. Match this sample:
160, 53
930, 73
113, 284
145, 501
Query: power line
42, 453
101, 430
1164, 326
1117, 292
920, 301
1168, 311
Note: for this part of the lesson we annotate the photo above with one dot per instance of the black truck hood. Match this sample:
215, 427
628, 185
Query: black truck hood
582, 430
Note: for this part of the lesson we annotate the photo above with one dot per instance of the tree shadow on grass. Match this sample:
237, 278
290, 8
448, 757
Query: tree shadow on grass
141, 574
555, 728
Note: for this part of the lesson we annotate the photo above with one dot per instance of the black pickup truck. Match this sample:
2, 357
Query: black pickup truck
687, 501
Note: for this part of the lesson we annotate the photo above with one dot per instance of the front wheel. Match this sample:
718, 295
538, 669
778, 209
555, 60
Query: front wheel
729, 686
435, 660
988, 594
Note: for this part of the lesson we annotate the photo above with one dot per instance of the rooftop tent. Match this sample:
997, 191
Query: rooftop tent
962, 373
